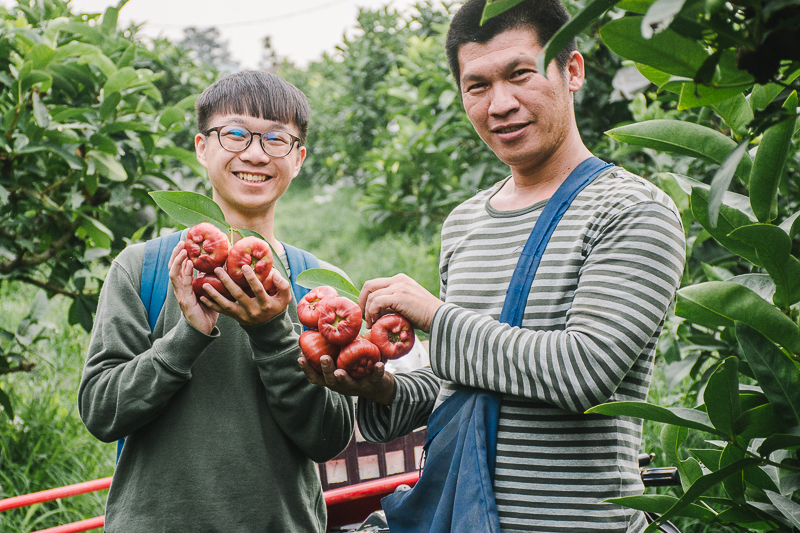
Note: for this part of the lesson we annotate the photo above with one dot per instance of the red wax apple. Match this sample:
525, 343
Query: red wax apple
339, 320
393, 335
249, 251
358, 358
308, 308
313, 345
206, 246
203, 278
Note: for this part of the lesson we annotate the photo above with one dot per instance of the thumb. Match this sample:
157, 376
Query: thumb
279, 281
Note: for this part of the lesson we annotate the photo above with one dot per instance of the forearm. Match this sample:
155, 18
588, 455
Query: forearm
319, 421
127, 381
410, 406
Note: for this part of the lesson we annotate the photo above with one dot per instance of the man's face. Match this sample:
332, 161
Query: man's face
249, 181
522, 116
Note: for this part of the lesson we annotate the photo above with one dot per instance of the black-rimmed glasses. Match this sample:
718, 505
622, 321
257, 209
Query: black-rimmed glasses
238, 138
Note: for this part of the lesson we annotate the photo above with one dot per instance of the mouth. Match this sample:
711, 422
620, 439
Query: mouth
509, 129
252, 178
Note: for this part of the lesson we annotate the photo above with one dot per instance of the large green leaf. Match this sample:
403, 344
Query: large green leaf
787, 507
107, 165
778, 376
728, 219
672, 437
722, 396
722, 180
190, 208
568, 31
774, 248
666, 51
735, 112
496, 7
317, 277
757, 423
659, 16
677, 416
684, 138
187, 157
770, 162
723, 303
661, 503
779, 442
733, 484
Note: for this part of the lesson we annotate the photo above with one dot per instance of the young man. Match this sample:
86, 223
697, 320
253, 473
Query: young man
595, 308
222, 429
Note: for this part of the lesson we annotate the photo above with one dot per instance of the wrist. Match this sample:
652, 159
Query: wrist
385, 392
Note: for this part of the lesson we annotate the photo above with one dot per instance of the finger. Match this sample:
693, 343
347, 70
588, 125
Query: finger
377, 373
368, 288
311, 374
255, 284
328, 369
175, 251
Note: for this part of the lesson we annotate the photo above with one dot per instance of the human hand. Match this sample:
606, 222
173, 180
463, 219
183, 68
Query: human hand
180, 276
377, 387
259, 306
399, 294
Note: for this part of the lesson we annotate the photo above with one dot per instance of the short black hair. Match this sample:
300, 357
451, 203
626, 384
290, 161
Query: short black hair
543, 17
257, 93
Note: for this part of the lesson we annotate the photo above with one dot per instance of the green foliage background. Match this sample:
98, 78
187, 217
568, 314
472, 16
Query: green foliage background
95, 117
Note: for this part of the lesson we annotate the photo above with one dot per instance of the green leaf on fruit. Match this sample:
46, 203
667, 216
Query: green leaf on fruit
678, 416
190, 208
317, 277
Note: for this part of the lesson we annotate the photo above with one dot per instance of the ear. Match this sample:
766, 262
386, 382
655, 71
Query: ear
575, 71
300, 157
200, 148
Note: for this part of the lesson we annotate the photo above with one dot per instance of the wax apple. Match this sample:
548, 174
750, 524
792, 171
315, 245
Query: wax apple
203, 278
393, 335
309, 306
313, 345
206, 246
339, 320
249, 251
358, 358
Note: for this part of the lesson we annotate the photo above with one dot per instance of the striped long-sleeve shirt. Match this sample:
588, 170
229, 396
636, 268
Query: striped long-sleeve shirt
588, 336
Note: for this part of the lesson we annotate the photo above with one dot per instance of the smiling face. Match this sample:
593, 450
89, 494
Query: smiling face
248, 182
525, 118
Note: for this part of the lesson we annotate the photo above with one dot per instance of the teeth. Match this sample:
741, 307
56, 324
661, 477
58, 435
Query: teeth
253, 178
509, 129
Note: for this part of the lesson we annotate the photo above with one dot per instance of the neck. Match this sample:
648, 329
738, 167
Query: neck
540, 180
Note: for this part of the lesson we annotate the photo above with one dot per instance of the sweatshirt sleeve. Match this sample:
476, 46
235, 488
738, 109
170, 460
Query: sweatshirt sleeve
414, 397
128, 380
319, 421
625, 286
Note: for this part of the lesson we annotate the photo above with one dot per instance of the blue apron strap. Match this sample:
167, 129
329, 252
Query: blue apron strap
455, 492
155, 283
299, 260
521, 281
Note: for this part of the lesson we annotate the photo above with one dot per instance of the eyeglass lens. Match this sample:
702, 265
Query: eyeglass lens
237, 139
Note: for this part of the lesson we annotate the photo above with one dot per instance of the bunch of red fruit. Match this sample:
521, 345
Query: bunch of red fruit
334, 324
208, 248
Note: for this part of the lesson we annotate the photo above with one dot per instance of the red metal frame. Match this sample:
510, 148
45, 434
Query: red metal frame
346, 505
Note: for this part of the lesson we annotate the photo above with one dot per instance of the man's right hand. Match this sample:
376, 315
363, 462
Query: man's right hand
378, 387
180, 276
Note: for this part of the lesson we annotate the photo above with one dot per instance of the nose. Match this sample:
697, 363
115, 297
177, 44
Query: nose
254, 153
503, 100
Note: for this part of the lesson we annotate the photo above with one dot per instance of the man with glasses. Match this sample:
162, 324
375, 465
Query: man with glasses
222, 429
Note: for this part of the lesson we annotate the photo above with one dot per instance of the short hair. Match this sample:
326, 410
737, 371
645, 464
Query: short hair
257, 93
543, 17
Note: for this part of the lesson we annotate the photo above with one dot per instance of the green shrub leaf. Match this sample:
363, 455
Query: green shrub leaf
774, 248
723, 303
684, 138
317, 277
677, 416
777, 375
770, 162
722, 396
190, 208
661, 503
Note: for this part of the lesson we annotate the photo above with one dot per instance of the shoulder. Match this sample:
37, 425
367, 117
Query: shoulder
129, 261
618, 190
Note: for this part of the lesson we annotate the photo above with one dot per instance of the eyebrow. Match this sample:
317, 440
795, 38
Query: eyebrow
510, 66
276, 125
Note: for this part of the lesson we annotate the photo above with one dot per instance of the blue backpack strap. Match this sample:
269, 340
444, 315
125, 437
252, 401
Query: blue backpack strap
299, 260
155, 282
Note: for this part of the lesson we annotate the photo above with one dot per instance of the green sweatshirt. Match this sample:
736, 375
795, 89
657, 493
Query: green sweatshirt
222, 430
